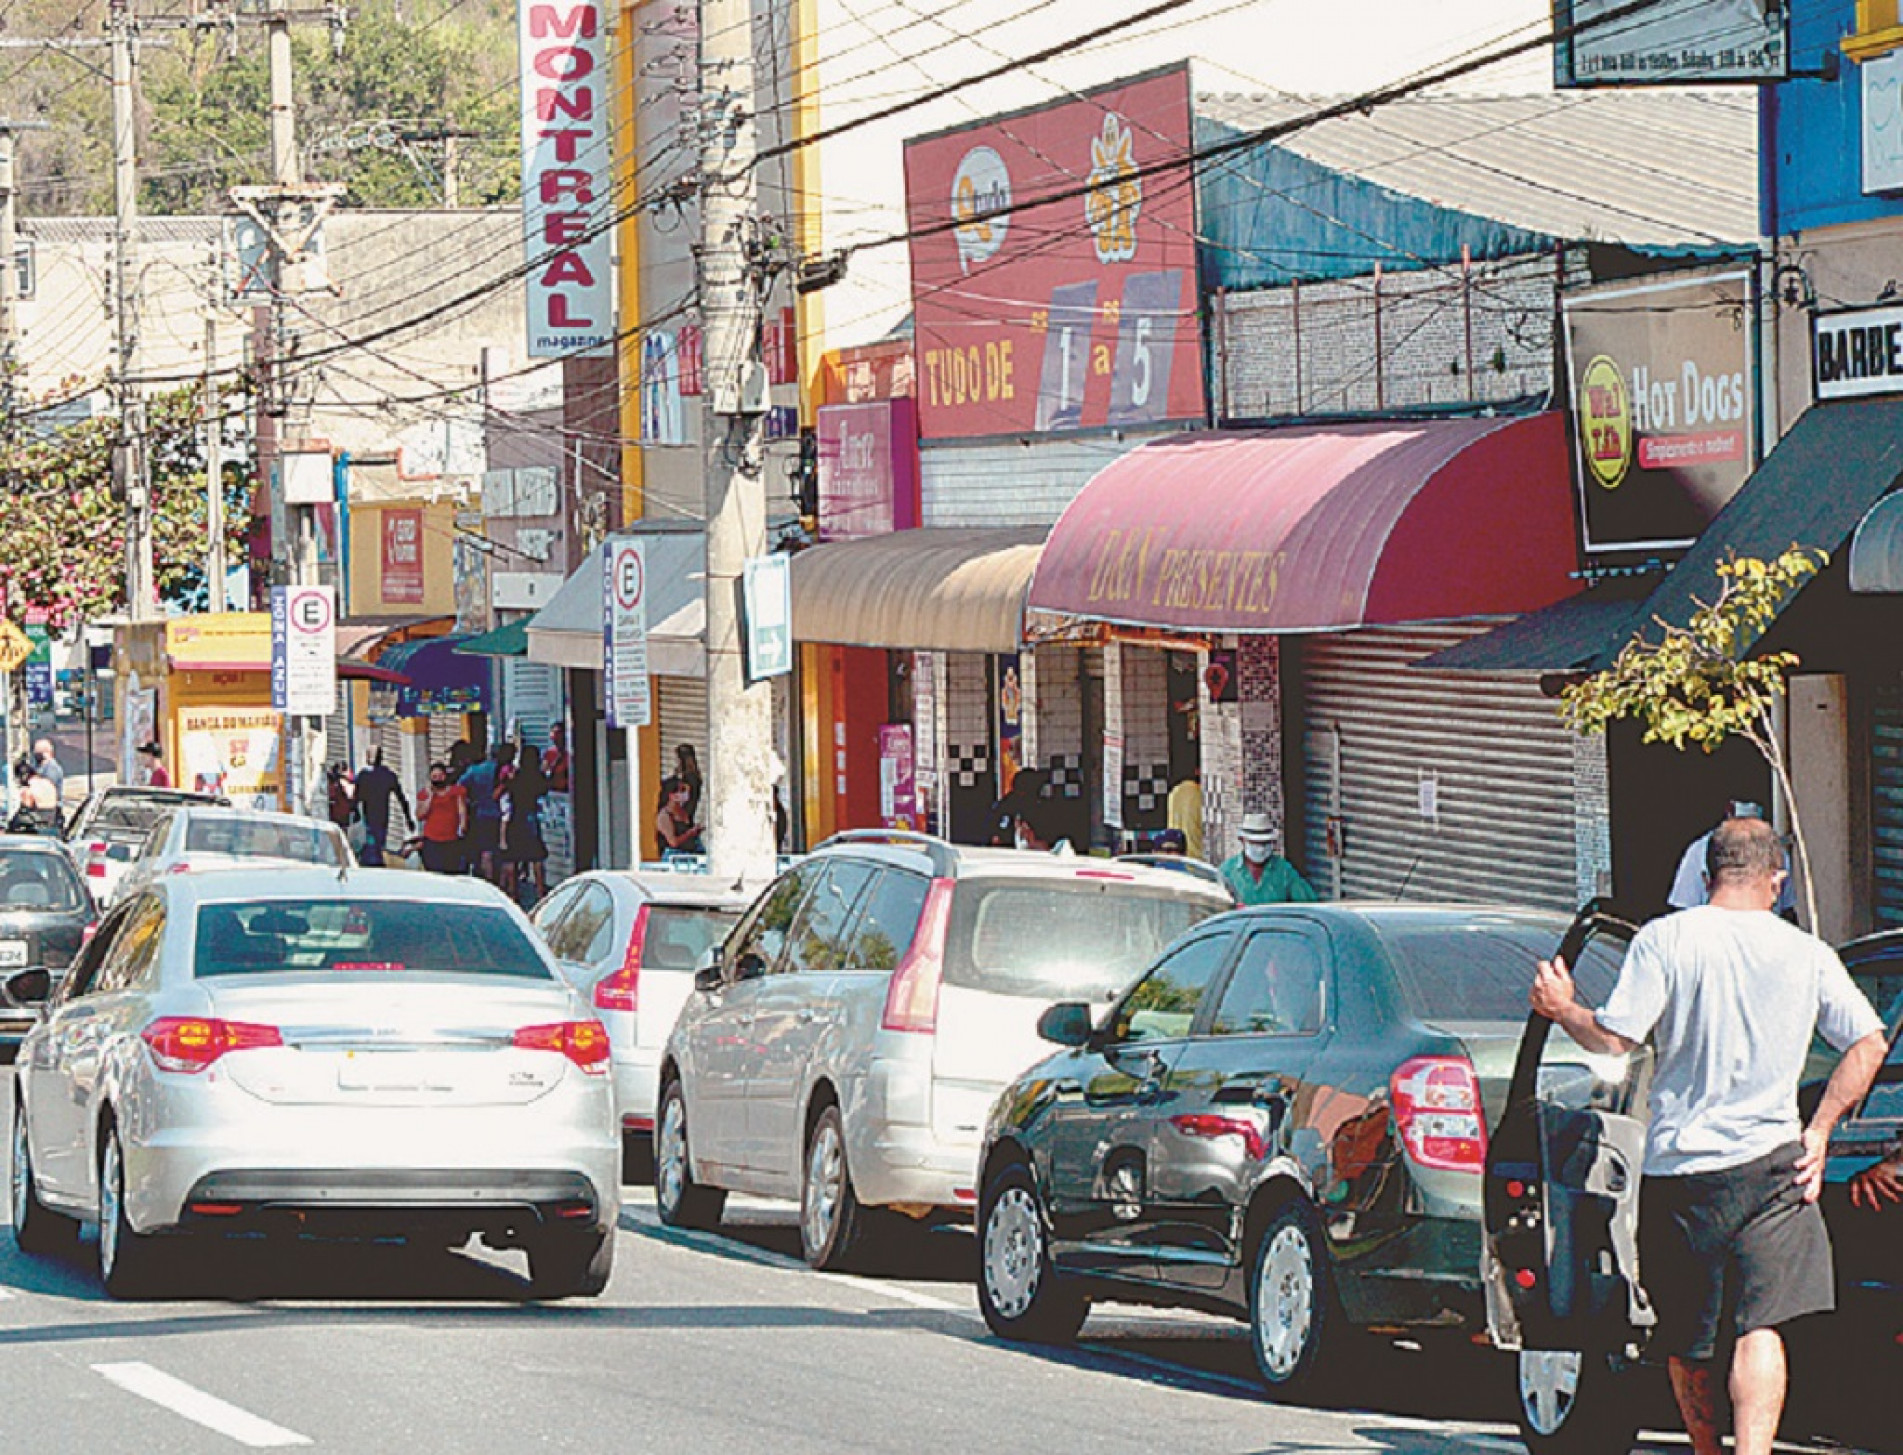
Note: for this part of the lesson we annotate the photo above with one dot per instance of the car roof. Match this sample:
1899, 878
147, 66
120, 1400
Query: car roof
666, 887
33, 844
278, 879
964, 862
254, 815
1414, 914
162, 795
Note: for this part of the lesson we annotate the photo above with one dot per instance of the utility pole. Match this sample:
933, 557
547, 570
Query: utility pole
214, 474
12, 684
129, 459
732, 277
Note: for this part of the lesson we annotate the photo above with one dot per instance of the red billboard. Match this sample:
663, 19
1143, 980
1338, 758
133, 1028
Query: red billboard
1054, 266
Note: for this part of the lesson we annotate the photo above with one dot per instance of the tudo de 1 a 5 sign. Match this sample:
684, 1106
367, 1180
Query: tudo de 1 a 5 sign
1054, 266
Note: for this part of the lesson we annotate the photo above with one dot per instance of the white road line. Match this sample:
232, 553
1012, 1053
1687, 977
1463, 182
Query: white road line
197, 1406
902, 1294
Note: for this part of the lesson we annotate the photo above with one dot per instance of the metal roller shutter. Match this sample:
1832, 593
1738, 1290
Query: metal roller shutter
337, 734
1886, 807
681, 712
445, 731
533, 693
1486, 751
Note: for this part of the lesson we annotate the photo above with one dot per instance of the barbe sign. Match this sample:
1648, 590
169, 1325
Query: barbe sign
566, 187
1859, 352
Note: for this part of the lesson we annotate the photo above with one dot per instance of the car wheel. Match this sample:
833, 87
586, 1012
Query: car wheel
1021, 1294
832, 1222
1570, 1404
564, 1265
36, 1227
681, 1201
1292, 1311
126, 1257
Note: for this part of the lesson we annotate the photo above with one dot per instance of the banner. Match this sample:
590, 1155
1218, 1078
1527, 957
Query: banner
403, 556
1670, 42
233, 751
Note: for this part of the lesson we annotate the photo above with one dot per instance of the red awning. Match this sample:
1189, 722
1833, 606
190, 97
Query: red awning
1320, 527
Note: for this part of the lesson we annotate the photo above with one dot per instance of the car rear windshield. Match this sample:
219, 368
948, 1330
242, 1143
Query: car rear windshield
38, 882
1065, 939
390, 936
125, 817
1483, 972
678, 937
262, 838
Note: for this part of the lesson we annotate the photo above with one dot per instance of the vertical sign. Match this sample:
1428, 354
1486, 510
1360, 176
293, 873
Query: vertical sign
39, 666
567, 181
304, 650
403, 556
767, 602
1010, 720
898, 801
624, 627
925, 738
1113, 780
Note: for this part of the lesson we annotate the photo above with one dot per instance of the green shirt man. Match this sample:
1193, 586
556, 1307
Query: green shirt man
1259, 875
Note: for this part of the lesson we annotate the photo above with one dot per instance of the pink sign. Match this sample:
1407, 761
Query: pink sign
868, 468
898, 797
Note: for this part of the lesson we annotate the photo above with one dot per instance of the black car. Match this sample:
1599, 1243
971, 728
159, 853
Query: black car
45, 912
1284, 1120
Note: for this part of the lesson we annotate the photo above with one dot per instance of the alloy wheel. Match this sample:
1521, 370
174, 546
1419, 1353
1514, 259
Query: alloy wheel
20, 1181
1013, 1252
111, 1175
1285, 1298
1549, 1384
825, 1172
670, 1162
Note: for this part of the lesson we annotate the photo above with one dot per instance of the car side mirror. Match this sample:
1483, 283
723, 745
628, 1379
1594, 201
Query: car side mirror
708, 978
30, 987
1066, 1024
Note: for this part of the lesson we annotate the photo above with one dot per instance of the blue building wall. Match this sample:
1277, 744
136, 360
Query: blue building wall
1812, 153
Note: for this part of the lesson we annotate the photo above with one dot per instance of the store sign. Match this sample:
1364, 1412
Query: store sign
39, 666
232, 751
304, 650
1054, 266
1662, 402
1883, 123
898, 801
567, 184
403, 556
1858, 353
624, 626
767, 604
1669, 42
868, 469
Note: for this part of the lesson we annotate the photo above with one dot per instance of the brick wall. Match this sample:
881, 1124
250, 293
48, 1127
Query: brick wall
1592, 816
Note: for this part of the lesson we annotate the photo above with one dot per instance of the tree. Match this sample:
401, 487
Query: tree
64, 531
1699, 684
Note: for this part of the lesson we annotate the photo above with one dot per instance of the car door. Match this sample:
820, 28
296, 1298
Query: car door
54, 1124
1230, 1103
1103, 1214
1560, 1262
793, 1010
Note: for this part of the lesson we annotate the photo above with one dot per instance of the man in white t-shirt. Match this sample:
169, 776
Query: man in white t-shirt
1729, 1229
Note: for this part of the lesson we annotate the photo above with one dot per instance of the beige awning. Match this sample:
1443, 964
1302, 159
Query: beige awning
937, 589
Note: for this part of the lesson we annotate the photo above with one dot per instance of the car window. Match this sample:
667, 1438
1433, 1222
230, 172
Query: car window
1062, 939
1164, 1003
154, 844
136, 950
1275, 990
1459, 970
888, 920
84, 970
544, 915
39, 881
818, 940
757, 943
583, 933
678, 938
125, 817
263, 838
390, 937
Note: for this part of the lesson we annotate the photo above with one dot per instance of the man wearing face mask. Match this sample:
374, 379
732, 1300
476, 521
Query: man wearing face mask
1259, 875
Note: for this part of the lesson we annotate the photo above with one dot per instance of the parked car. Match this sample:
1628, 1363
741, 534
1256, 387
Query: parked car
272, 1051
846, 1044
200, 836
1284, 1119
108, 831
630, 942
45, 913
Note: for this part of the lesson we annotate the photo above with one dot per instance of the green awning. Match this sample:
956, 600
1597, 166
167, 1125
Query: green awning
511, 640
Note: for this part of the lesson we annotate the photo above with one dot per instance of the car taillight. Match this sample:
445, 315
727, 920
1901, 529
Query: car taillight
191, 1043
1436, 1101
620, 989
583, 1042
96, 860
911, 997
179, 866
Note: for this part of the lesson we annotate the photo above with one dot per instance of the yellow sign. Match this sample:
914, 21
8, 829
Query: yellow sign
15, 647
1605, 422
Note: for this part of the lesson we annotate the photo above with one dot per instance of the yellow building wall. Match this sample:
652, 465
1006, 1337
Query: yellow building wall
366, 561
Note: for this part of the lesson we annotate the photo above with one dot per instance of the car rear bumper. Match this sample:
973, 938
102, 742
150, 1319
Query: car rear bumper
501, 1202
903, 1164
637, 1078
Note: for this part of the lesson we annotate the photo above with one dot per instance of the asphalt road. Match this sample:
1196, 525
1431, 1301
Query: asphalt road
702, 1343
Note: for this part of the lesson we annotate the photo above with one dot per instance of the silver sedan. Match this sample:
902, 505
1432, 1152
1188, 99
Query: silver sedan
300, 1051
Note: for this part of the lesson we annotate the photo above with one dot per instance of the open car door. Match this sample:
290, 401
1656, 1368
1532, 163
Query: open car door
1560, 1259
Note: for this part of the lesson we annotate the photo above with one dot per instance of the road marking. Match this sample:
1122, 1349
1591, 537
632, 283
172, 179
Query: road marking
197, 1406
902, 1294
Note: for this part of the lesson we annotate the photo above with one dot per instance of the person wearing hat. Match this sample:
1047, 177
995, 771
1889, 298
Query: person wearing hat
1259, 875
155, 774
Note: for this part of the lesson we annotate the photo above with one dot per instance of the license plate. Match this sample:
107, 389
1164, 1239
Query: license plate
392, 1071
13, 954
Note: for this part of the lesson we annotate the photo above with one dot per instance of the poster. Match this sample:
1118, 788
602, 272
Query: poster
1010, 720
898, 802
403, 556
233, 751
1113, 780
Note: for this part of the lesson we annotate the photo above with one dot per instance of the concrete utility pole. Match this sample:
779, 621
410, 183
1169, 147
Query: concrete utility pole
214, 474
738, 800
130, 462
12, 684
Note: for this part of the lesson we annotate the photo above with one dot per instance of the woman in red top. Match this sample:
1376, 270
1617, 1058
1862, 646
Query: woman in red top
443, 811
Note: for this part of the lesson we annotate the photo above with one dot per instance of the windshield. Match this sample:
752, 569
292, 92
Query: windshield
128, 817
39, 882
263, 838
1075, 939
1484, 972
391, 936
678, 938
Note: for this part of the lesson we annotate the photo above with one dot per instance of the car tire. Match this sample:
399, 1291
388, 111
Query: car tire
127, 1259
36, 1227
681, 1201
1571, 1404
1294, 1318
1022, 1295
563, 1264
833, 1223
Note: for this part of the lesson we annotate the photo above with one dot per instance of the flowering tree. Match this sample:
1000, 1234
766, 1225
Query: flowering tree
1698, 684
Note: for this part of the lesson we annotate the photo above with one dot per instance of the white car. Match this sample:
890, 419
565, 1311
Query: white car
289, 1052
109, 830
205, 836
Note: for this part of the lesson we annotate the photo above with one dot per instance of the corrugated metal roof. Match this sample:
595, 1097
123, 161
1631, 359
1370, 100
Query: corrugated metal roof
1634, 167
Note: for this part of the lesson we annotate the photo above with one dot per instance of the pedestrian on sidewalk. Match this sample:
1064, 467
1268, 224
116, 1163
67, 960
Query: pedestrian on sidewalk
481, 783
524, 853
47, 765
444, 810
377, 788
675, 832
37, 808
1257, 874
1731, 1239
155, 774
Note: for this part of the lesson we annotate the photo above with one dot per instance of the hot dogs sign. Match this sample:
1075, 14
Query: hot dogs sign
1665, 427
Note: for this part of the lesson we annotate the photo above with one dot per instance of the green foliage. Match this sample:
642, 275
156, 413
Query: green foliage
1697, 685
65, 533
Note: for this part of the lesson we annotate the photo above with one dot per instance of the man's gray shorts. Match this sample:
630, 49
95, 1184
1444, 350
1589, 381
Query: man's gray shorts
1738, 1247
